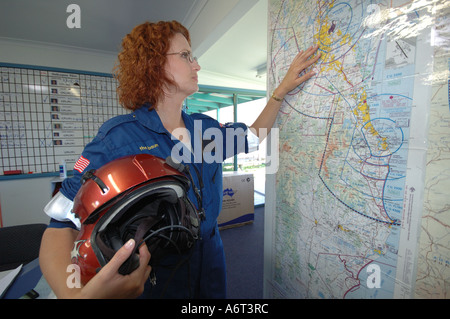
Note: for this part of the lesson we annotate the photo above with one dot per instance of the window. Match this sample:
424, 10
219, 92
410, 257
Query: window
219, 103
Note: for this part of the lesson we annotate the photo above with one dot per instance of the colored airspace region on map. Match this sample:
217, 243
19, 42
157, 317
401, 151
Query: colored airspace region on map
344, 145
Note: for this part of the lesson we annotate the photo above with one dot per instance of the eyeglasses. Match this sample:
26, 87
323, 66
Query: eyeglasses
186, 55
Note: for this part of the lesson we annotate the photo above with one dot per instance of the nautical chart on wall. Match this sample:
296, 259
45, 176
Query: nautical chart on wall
347, 203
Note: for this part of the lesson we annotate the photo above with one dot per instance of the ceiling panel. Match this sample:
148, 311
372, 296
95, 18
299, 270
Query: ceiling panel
228, 36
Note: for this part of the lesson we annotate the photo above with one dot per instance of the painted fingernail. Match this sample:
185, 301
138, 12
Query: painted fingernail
129, 244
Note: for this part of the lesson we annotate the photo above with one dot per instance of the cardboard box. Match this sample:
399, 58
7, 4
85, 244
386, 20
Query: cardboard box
238, 200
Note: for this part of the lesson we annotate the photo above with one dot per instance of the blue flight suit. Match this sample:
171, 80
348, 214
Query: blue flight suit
204, 275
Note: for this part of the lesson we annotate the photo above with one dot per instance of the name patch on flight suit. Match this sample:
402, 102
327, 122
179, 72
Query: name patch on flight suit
148, 148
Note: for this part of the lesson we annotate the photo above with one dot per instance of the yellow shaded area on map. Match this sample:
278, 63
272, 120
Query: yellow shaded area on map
326, 36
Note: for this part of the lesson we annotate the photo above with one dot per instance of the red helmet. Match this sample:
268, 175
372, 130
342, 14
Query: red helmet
139, 197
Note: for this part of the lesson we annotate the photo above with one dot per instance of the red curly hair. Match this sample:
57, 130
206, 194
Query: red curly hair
140, 68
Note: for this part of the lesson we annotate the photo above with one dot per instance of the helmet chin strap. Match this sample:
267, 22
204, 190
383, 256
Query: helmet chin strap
145, 225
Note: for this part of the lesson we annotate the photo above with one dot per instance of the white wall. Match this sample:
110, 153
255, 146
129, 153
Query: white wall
49, 55
22, 200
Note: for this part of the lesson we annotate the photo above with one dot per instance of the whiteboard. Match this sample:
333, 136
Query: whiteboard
48, 115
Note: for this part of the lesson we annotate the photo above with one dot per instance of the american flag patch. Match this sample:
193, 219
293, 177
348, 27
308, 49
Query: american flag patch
81, 164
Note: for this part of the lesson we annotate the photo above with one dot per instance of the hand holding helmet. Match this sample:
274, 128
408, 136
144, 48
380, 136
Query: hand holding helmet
108, 283
137, 197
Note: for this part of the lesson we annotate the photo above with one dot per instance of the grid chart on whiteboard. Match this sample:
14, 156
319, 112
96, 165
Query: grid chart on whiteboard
47, 117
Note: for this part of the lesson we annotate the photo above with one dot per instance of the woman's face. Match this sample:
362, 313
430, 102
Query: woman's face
179, 67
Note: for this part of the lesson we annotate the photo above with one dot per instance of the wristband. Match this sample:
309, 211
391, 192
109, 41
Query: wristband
276, 98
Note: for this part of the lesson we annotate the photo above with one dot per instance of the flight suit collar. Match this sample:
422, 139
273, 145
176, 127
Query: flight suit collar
149, 118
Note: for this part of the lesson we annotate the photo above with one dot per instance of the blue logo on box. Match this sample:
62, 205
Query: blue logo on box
228, 191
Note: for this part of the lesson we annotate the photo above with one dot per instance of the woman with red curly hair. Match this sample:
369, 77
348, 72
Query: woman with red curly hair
156, 72
140, 70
